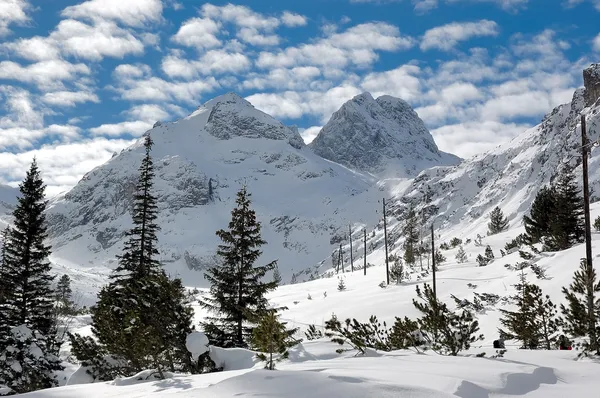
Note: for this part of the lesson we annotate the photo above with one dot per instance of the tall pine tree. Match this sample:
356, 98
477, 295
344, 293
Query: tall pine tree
237, 286
142, 317
498, 223
538, 222
567, 223
27, 307
411, 237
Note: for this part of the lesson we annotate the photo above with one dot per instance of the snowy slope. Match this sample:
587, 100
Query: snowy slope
315, 370
383, 136
459, 199
201, 162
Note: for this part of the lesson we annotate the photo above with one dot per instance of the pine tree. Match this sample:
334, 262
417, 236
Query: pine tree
277, 276
397, 269
236, 285
411, 237
576, 321
567, 225
498, 223
489, 254
597, 224
142, 317
64, 293
272, 337
461, 255
341, 285
545, 311
27, 306
520, 324
538, 223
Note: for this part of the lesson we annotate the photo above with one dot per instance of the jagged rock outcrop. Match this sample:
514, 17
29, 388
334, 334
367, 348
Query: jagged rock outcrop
591, 82
382, 136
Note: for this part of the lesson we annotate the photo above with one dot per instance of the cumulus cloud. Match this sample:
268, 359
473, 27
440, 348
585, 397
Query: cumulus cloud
13, 12
62, 165
136, 13
596, 43
69, 98
198, 32
210, 63
290, 19
45, 74
310, 133
448, 36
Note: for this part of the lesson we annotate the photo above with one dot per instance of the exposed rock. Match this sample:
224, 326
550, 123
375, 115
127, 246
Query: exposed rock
591, 82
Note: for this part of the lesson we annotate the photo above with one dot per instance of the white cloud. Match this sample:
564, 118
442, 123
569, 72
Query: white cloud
471, 138
20, 109
458, 93
69, 98
422, 6
402, 82
212, 62
309, 134
45, 74
34, 49
290, 19
97, 41
124, 71
357, 45
256, 38
240, 16
12, 11
134, 128
448, 36
199, 33
596, 43
298, 78
136, 13
62, 165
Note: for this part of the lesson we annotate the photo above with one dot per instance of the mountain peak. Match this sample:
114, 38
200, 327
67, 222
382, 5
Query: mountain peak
230, 98
382, 136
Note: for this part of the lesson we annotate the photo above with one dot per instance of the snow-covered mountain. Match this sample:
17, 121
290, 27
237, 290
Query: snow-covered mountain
458, 199
382, 136
8, 198
201, 162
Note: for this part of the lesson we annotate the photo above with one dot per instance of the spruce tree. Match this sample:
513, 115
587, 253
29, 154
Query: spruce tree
271, 336
64, 294
489, 253
538, 222
28, 303
236, 283
461, 255
520, 324
567, 224
576, 317
142, 317
498, 223
411, 238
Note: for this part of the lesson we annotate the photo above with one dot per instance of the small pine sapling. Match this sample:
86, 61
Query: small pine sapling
461, 255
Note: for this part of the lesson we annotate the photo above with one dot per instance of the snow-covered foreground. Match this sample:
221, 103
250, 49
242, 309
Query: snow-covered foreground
316, 371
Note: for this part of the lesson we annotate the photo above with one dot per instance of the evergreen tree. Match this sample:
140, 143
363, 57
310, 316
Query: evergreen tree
567, 225
27, 306
597, 224
277, 276
66, 306
341, 284
236, 284
461, 255
142, 317
397, 269
489, 254
520, 324
272, 337
411, 237
498, 223
538, 223
577, 321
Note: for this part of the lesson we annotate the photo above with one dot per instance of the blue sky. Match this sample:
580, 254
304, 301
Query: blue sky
80, 80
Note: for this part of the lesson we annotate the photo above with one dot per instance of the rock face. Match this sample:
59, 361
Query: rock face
201, 162
591, 81
382, 136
